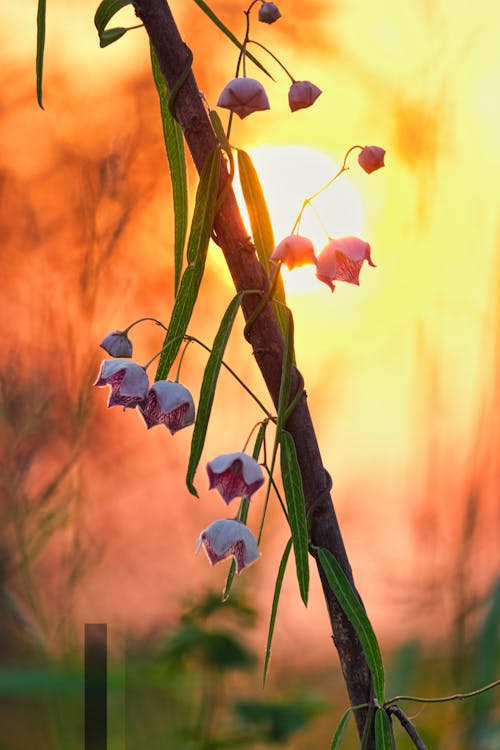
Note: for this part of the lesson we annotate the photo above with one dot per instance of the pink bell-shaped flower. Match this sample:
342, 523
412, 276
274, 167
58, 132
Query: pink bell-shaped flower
371, 158
294, 251
129, 382
234, 475
170, 404
244, 96
229, 538
269, 12
341, 260
302, 94
117, 344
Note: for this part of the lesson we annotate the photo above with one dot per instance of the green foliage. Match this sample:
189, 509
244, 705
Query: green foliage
207, 392
340, 731
40, 47
274, 607
199, 237
103, 15
174, 144
292, 483
383, 735
278, 720
350, 603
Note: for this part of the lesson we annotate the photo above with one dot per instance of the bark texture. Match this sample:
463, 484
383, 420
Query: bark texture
265, 339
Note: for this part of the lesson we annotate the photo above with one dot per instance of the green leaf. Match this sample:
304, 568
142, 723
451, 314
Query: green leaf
40, 48
383, 733
350, 603
340, 731
199, 237
292, 483
111, 35
262, 230
286, 372
274, 608
220, 25
105, 12
174, 144
207, 391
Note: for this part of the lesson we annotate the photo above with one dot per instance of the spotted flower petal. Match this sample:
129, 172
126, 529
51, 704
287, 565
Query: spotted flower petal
294, 251
371, 158
229, 538
170, 404
341, 260
244, 96
117, 344
269, 12
302, 94
234, 475
129, 382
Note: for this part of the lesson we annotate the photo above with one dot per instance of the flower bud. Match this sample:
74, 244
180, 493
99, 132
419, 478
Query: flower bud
117, 344
302, 94
371, 158
129, 382
168, 403
269, 12
234, 475
244, 96
229, 538
294, 251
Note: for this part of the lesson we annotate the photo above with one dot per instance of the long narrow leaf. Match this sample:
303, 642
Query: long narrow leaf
105, 12
274, 608
340, 731
292, 483
199, 237
354, 610
207, 391
174, 144
383, 733
262, 230
40, 48
220, 25
286, 372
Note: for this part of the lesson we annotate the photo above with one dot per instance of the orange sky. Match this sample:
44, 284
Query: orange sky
401, 372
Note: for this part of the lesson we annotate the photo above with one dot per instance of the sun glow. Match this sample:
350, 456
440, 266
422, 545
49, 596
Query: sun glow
289, 175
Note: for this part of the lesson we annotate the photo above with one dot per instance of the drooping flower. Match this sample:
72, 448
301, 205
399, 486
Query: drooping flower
117, 344
302, 94
341, 260
269, 12
234, 475
168, 403
294, 251
229, 538
371, 158
129, 382
244, 96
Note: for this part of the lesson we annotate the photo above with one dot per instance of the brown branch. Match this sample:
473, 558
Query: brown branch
265, 339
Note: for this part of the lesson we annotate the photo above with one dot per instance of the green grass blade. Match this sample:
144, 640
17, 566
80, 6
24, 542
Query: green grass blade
220, 25
292, 483
340, 731
207, 391
199, 237
274, 608
105, 12
174, 145
383, 733
355, 611
262, 230
40, 48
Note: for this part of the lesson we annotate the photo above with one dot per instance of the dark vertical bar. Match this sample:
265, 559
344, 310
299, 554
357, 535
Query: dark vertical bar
96, 668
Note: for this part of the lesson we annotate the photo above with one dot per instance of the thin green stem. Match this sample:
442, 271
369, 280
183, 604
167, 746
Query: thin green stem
140, 320
252, 41
446, 698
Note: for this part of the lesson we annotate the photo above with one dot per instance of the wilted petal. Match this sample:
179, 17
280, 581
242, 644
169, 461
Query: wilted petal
234, 475
302, 94
244, 96
129, 382
229, 538
117, 344
269, 12
371, 158
294, 251
168, 403
341, 260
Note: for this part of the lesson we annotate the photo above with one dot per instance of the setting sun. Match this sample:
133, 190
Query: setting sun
289, 175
